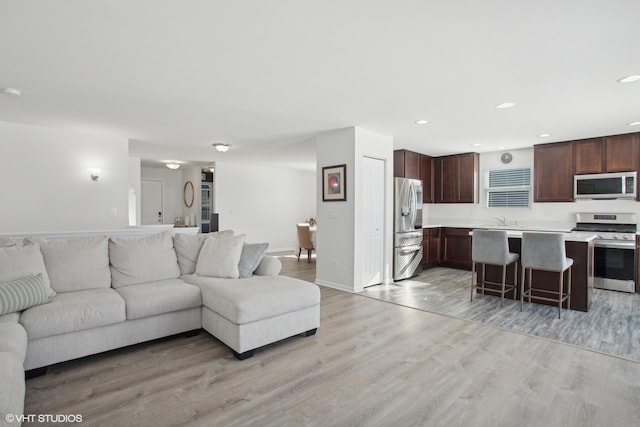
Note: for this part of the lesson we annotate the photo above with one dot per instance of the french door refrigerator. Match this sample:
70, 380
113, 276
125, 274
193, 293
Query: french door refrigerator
407, 236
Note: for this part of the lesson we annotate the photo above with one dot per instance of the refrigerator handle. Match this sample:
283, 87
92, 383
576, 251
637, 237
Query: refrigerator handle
413, 207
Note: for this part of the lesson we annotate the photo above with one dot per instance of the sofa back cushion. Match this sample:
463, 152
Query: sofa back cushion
136, 260
5, 242
20, 262
76, 263
188, 248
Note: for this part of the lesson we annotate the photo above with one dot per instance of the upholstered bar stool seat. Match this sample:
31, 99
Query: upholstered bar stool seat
492, 247
546, 252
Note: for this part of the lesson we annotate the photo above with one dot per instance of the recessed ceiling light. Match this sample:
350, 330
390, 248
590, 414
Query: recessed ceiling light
476, 145
633, 124
173, 166
221, 147
12, 91
421, 122
544, 135
629, 79
505, 105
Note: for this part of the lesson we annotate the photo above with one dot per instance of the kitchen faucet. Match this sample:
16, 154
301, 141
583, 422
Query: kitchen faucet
502, 220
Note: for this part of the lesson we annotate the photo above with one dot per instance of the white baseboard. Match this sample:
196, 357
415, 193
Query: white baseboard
333, 285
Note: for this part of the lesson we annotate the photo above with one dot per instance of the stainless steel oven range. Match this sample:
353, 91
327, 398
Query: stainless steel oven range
614, 248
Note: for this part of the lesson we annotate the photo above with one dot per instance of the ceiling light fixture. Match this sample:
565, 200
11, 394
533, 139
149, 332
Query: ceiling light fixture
172, 166
12, 91
629, 79
633, 124
544, 135
476, 144
421, 122
505, 105
223, 148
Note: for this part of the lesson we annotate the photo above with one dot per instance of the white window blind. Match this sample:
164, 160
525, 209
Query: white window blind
509, 188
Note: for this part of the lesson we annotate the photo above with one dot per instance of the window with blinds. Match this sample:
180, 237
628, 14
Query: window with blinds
509, 188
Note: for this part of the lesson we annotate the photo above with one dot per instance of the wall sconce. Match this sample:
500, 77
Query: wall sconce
95, 173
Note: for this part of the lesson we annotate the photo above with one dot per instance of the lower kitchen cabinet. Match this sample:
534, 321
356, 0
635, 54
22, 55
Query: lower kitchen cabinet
455, 247
430, 247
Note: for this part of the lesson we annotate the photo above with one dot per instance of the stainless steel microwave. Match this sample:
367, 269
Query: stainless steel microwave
619, 185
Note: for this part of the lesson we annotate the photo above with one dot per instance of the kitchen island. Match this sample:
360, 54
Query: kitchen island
579, 247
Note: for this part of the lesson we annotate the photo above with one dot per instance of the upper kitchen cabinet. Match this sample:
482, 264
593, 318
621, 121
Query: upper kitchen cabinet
426, 173
456, 178
617, 153
406, 164
553, 172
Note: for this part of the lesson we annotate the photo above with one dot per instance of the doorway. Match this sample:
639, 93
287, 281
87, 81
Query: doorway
374, 212
152, 201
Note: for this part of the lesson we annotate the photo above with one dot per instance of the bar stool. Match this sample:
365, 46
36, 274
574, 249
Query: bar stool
492, 247
546, 252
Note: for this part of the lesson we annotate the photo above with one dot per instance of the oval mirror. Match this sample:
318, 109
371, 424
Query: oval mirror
188, 194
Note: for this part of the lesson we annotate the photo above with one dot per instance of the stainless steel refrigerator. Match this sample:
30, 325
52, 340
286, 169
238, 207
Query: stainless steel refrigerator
407, 236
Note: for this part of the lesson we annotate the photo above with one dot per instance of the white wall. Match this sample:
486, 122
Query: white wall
264, 202
134, 183
193, 174
46, 184
561, 215
340, 235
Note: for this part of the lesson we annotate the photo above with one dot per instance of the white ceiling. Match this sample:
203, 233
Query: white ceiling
265, 76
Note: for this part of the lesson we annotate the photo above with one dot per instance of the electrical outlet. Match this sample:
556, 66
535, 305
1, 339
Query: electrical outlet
334, 263
113, 211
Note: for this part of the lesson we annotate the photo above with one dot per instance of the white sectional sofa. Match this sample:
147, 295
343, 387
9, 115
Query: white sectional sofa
69, 298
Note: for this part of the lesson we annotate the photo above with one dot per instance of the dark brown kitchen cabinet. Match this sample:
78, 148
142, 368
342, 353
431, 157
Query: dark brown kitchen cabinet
553, 172
426, 174
455, 248
621, 152
616, 153
430, 246
406, 164
456, 178
589, 156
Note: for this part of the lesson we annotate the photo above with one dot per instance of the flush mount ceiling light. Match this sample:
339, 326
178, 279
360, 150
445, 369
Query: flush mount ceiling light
172, 166
505, 105
223, 148
629, 79
544, 135
633, 124
421, 122
11, 91
476, 144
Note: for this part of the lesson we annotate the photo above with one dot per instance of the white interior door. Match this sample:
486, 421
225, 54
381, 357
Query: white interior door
374, 195
152, 201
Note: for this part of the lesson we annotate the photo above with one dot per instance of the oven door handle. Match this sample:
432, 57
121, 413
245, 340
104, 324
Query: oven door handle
615, 245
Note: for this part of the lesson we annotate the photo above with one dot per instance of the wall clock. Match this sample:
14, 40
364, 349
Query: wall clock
506, 157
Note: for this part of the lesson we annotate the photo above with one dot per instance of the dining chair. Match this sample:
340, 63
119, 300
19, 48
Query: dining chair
304, 240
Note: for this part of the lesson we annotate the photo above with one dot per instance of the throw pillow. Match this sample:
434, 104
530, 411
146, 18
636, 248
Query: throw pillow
136, 260
252, 254
219, 257
21, 294
188, 248
5, 243
20, 262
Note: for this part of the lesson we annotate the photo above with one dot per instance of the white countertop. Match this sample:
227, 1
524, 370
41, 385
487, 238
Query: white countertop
515, 231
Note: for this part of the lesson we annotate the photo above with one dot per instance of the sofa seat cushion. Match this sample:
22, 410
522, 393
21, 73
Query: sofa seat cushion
13, 339
255, 298
74, 311
12, 387
164, 296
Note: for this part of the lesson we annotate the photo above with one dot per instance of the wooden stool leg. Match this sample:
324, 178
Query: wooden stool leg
473, 274
484, 276
522, 288
504, 281
515, 280
569, 291
560, 293
530, 284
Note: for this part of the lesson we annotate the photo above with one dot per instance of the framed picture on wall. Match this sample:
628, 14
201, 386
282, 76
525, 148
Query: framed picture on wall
334, 183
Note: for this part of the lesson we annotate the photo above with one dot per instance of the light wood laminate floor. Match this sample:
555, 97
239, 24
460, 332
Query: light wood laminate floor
612, 324
371, 363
